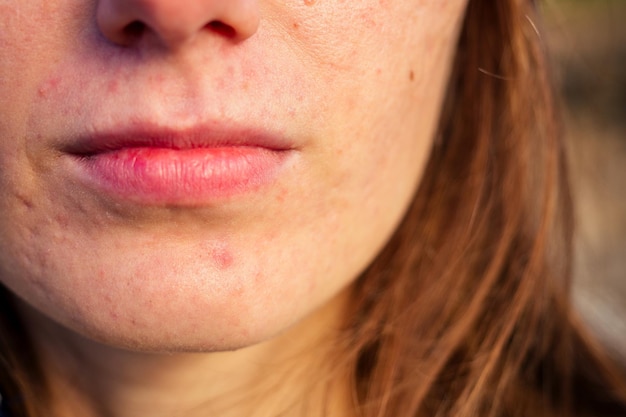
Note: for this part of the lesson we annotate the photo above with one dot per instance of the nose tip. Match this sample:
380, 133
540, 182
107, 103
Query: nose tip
172, 23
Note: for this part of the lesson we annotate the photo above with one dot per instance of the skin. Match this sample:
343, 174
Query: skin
356, 86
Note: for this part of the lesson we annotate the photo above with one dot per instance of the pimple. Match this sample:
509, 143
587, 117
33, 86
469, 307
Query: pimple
48, 86
309, 2
411, 75
222, 257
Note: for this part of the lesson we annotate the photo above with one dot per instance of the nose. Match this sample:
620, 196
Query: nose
173, 23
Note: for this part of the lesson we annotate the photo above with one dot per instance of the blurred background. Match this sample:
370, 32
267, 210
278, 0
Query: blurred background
587, 39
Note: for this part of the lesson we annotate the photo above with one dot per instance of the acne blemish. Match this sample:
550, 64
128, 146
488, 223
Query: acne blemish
309, 2
222, 257
48, 86
411, 75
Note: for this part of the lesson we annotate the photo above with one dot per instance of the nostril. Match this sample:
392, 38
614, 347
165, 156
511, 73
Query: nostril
221, 28
134, 29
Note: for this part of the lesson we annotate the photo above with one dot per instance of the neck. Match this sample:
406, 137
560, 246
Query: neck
294, 374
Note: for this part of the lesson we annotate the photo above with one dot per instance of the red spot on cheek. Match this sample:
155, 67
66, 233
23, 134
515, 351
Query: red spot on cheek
282, 196
157, 80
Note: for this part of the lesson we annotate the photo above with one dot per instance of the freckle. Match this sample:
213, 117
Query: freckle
411, 75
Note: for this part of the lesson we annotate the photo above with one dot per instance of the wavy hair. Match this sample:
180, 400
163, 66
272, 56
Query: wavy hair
466, 311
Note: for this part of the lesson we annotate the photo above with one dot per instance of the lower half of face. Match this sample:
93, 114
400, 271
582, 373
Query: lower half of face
209, 195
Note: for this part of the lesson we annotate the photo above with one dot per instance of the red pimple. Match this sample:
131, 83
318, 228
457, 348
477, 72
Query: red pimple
49, 85
222, 257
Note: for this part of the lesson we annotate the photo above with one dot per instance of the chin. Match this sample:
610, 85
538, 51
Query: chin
174, 311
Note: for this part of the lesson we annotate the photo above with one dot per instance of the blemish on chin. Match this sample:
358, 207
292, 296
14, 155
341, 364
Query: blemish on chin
222, 257
48, 86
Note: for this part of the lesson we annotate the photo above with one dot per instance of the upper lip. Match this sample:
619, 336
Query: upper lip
209, 135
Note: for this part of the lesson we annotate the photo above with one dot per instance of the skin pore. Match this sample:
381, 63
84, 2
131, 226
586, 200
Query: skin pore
224, 306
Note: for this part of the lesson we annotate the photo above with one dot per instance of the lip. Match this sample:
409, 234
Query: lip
160, 166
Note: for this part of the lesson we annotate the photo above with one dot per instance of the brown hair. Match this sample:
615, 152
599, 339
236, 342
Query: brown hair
465, 312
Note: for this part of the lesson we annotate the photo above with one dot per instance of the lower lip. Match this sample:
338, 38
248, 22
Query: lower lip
164, 176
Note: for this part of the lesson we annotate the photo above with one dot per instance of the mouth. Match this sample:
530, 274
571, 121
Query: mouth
192, 167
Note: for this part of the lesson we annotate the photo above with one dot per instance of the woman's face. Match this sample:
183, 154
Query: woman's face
203, 174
